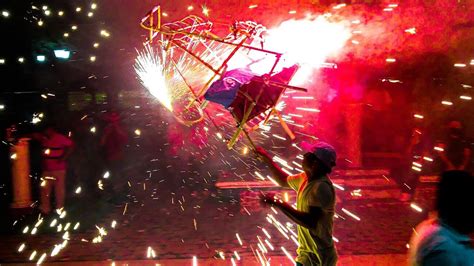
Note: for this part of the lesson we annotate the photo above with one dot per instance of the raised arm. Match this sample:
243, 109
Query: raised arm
278, 174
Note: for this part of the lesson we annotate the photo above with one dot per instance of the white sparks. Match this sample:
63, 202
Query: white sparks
33, 255
416, 207
288, 255
313, 110
106, 174
438, 148
41, 259
22, 247
427, 159
351, 214
236, 255
238, 238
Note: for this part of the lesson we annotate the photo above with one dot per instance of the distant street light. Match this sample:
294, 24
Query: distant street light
41, 58
62, 54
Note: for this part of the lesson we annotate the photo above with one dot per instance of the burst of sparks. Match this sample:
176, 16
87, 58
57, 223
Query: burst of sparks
150, 68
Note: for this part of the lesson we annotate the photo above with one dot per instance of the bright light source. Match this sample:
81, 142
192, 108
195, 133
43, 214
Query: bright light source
40, 58
45, 7
73, 27
411, 30
390, 60
416, 207
92, 58
5, 13
190, 8
47, 12
104, 33
40, 23
96, 45
78, 9
93, 6
205, 11
90, 14
2, 107
60, 13
21, 59
63, 54
2, 61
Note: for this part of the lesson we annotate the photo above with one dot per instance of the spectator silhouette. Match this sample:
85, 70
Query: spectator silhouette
112, 144
444, 240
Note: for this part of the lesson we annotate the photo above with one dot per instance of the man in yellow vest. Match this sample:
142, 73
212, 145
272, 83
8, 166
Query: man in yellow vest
316, 200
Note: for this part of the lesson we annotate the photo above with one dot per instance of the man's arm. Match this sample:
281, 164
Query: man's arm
278, 174
306, 219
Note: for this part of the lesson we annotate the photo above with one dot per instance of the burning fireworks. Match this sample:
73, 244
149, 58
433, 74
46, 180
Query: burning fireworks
150, 68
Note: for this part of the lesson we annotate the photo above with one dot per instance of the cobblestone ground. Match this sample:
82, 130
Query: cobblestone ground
173, 225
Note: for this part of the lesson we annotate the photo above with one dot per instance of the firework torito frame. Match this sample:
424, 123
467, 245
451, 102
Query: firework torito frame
193, 30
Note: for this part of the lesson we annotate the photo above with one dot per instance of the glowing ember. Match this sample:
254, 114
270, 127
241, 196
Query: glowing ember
416, 207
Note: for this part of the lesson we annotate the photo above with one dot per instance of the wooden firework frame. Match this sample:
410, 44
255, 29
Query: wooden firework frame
152, 23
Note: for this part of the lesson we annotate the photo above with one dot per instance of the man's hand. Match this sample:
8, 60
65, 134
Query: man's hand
269, 199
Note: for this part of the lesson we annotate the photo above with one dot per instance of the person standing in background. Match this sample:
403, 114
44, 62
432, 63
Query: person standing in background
456, 151
56, 149
112, 144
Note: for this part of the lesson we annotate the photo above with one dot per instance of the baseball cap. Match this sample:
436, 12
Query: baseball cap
322, 150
